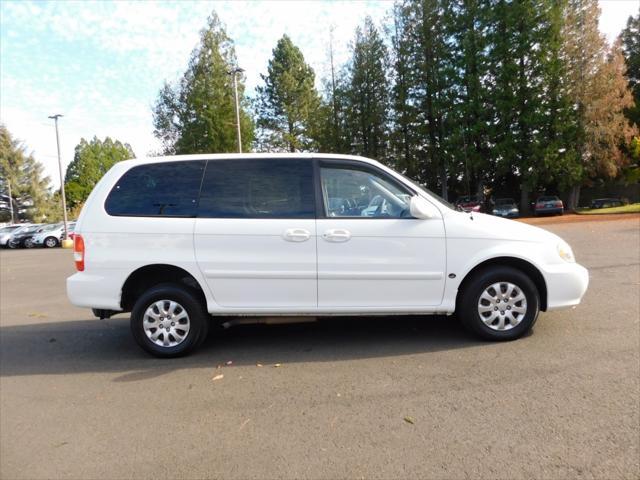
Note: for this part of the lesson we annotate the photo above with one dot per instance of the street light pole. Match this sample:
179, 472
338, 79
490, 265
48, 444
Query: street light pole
64, 200
234, 73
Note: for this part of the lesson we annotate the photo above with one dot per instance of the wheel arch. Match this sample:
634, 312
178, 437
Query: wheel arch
143, 278
524, 266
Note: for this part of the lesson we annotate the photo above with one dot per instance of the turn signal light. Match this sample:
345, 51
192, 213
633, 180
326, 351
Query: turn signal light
78, 252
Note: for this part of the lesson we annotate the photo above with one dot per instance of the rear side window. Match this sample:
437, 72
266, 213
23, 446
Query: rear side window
278, 188
168, 189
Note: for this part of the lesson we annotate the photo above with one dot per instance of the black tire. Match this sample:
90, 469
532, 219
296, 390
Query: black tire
50, 242
467, 306
12, 245
189, 301
28, 243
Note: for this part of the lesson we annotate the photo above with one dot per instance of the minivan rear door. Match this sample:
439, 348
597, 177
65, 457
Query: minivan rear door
255, 235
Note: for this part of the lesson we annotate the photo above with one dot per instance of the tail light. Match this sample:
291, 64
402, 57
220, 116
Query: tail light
559, 203
78, 252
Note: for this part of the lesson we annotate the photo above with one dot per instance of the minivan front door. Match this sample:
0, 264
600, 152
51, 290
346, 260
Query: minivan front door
371, 254
255, 235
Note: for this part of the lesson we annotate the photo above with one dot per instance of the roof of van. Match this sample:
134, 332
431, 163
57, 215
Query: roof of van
230, 156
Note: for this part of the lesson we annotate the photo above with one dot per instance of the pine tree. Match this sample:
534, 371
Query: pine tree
630, 37
198, 114
90, 162
288, 100
22, 174
367, 93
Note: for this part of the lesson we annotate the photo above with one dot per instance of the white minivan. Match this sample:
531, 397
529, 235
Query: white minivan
178, 241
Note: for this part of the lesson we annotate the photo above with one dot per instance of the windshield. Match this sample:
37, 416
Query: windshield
548, 199
429, 193
48, 228
505, 201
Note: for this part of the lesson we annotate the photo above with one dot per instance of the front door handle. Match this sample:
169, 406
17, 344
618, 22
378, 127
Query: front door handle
337, 235
296, 235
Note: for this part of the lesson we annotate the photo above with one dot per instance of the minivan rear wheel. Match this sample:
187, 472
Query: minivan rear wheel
169, 321
499, 303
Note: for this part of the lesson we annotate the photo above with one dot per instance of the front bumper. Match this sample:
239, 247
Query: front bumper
566, 285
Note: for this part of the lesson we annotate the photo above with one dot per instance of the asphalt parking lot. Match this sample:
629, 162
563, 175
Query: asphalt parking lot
401, 397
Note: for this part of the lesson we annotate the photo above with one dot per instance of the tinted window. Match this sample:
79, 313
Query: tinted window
275, 188
168, 189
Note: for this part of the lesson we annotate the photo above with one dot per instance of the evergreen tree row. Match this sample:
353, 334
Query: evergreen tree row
464, 96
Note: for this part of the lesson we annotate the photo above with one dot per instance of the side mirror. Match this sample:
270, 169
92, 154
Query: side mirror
421, 208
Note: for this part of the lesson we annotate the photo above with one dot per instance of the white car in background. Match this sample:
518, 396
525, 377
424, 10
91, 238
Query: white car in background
5, 234
51, 235
179, 240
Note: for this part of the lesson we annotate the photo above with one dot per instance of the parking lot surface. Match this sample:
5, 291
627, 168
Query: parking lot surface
399, 397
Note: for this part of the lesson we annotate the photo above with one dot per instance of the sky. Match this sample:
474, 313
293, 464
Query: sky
101, 63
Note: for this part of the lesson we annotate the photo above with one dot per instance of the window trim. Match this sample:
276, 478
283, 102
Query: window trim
313, 216
359, 166
139, 215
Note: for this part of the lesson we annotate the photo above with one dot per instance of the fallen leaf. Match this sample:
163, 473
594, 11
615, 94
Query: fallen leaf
258, 364
277, 365
409, 420
244, 424
218, 377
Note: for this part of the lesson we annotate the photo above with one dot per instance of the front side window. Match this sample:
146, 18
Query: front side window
350, 192
258, 188
167, 189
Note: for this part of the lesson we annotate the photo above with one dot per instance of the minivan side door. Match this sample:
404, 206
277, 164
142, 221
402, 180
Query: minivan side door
255, 233
371, 253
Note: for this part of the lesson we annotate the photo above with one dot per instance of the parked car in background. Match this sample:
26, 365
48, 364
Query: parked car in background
549, 204
175, 240
51, 235
6, 232
506, 207
21, 238
606, 202
469, 203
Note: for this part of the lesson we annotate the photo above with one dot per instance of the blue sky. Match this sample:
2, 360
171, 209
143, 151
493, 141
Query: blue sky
100, 63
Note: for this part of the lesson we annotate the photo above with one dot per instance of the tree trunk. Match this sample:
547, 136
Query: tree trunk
524, 200
443, 182
574, 197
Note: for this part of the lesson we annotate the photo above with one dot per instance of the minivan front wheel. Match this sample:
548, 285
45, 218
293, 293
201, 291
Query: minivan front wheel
169, 321
499, 303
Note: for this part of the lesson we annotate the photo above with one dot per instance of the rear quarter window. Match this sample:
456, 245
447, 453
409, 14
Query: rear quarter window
167, 189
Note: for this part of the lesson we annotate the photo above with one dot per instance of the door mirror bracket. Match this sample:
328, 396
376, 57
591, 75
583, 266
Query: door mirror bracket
421, 208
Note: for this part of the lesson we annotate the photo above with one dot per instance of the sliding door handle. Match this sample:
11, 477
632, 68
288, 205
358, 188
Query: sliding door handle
296, 235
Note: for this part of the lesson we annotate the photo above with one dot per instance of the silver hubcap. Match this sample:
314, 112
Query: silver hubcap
502, 306
51, 242
166, 323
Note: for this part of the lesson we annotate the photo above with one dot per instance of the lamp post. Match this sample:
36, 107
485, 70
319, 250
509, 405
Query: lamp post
235, 73
64, 200
10, 200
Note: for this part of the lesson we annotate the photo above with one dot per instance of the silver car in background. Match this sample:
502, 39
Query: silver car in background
6, 232
51, 235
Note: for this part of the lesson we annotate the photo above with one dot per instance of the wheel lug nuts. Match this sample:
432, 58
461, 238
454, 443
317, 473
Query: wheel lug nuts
495, 308
173, 324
